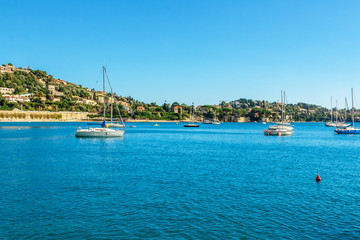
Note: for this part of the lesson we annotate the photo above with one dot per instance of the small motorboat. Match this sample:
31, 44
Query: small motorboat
191, 125
206, 122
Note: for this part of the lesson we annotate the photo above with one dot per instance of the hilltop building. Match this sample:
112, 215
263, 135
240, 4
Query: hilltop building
177, 109
140, 109
7, 69
4, 90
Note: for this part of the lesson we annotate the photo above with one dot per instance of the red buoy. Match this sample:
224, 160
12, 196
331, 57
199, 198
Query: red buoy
318, 178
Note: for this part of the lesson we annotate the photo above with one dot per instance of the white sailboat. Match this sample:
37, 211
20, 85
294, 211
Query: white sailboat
192, 124
350, 128
335, 123
103, 131
282, 128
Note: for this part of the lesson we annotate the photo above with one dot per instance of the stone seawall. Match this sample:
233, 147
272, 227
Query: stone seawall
18, 115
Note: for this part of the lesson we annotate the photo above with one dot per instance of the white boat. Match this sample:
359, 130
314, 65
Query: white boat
99, 132
206, 122
282, 128
192, 124
216, 122
103, 131
115, 125
336, 123
350, 128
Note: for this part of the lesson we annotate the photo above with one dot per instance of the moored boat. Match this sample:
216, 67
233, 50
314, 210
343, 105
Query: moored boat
115, 125
103, 130
279, 129
336, 123
350, 128
282, 128
191, 125
99, 132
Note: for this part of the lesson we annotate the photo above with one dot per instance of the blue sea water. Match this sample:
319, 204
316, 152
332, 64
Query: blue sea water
225, 181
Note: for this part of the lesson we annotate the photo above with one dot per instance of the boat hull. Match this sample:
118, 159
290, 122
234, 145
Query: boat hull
347, 131
278, 132
191, 125
99, 133
115, 125
336, 124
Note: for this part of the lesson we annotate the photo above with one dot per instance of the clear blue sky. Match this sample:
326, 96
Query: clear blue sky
192, 50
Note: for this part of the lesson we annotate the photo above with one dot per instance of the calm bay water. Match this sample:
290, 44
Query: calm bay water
225, 181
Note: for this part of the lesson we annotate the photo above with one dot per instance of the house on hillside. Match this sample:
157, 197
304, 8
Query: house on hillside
55, 99
60, 81
177, 109
52, 90
89, 102
43, 83
140, 109
4, 90
7, 69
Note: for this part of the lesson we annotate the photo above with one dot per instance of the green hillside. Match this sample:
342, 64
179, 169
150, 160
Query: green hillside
29, 89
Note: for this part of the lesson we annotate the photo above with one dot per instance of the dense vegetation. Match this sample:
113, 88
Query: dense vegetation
72, 99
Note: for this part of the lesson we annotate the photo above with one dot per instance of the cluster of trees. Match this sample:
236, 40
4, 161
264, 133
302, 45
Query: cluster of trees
255, 110
28, 82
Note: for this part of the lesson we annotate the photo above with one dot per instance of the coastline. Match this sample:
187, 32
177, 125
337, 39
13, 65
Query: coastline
88, 120
125, 121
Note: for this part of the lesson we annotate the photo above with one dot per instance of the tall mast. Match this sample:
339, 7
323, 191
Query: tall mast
336, 112
352, 105
281, 106
104, 90
331, 112
192, 111
346, 108
112, 99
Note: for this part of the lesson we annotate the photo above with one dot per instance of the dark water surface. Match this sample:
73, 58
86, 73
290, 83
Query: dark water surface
225, 181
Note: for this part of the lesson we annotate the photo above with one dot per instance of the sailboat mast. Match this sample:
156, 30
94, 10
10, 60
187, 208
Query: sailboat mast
336, 112
104, 91
352, 105
331, 112
112, 99
346, 108
281, 105
192, 112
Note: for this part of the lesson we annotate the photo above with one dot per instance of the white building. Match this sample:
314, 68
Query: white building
4, 90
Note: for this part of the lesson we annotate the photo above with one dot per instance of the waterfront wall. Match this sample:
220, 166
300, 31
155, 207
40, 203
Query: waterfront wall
18, 115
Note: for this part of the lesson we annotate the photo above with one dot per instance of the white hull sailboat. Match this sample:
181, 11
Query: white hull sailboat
350, 128
279, 130
103, 131
335, 123
99, 132
192, 124
283, 128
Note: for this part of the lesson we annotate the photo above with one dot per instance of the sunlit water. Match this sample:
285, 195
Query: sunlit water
225, 181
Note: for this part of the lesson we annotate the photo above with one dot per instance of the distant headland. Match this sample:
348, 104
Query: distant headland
34, 95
